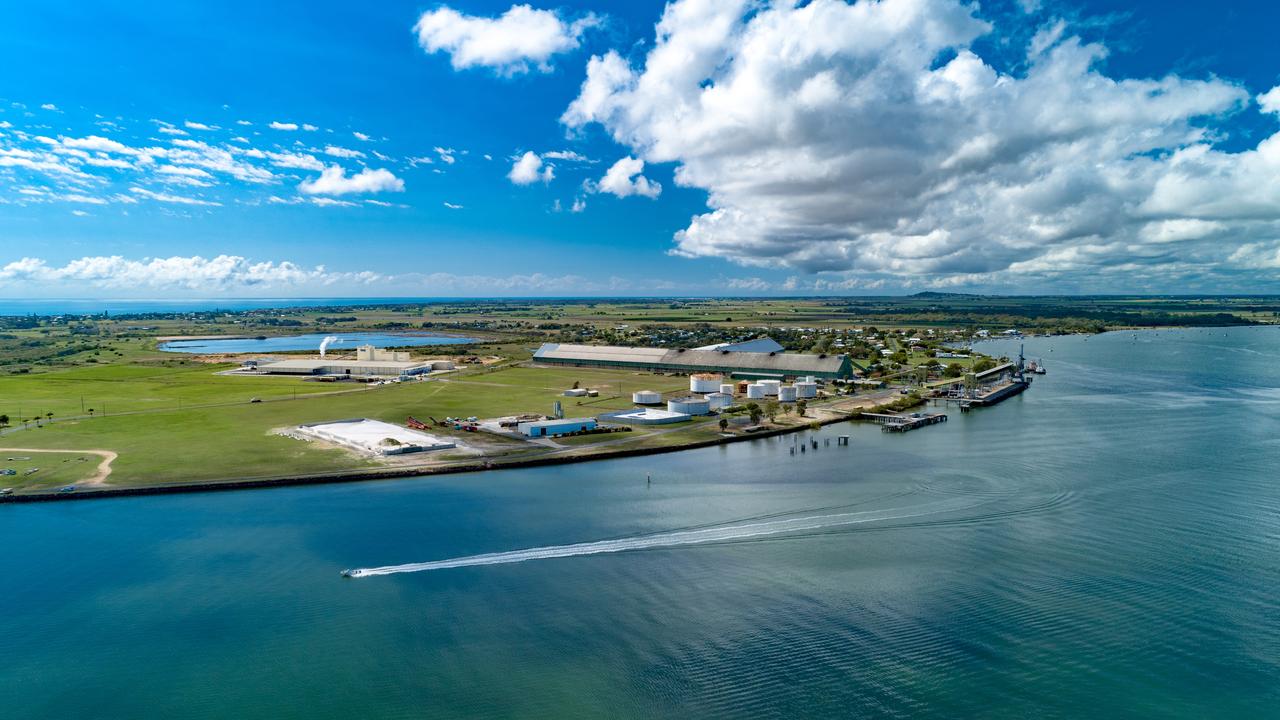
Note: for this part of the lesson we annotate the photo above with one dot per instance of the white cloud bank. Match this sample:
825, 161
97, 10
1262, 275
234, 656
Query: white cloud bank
512, 43
233, 273
334, 181
224, 272
870, 139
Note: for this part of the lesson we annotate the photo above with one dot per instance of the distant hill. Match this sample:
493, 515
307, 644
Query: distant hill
934, 295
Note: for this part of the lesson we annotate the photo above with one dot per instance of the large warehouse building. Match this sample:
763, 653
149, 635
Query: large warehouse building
775, 365
370, 362
345, 368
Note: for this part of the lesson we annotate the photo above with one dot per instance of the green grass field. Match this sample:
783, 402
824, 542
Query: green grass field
52, 469
224, 442
113, 389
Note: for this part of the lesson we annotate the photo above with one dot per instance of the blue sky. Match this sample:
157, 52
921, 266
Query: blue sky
739, 148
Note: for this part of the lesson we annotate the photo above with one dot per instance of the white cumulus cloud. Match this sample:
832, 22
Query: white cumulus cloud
334, 181
529, 169
872, 138
1269, 101
623, 179
516, 41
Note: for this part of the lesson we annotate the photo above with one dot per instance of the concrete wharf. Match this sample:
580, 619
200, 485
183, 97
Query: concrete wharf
890, 422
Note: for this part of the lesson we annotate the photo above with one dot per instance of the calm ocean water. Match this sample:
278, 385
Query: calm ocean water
1106, 544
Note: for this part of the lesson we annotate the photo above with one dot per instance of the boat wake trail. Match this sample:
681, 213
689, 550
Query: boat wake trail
701, 536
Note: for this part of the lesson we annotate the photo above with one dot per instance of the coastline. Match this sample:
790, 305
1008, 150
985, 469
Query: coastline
345, 476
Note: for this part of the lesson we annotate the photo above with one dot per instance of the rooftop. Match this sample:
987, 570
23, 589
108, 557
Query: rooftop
682, 359
311, 364
562, 421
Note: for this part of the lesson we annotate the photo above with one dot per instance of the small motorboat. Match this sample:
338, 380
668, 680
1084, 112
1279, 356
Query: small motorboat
348, 573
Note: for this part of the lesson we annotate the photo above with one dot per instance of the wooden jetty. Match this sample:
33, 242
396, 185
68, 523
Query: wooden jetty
890, 422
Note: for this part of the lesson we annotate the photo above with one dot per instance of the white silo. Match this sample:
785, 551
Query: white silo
805, 389
770, 387
787, 393
704, 383
719, 401
646, 397
691, 405
755, 391
727, 388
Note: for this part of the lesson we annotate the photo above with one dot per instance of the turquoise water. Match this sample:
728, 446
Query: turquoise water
342, 342
1107, 543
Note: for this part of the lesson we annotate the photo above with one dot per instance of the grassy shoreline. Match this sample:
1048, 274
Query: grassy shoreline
414, 471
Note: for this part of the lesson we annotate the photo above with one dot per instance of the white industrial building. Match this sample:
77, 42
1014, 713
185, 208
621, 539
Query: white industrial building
346, 368
369, 362
369, 353
375, 437
806, 389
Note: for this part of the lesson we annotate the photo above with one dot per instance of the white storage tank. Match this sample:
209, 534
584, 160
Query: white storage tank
770, 387
646, 397
719, 401
755, 391
727, 388
689, 405
806, 389
704, 383
787, 393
